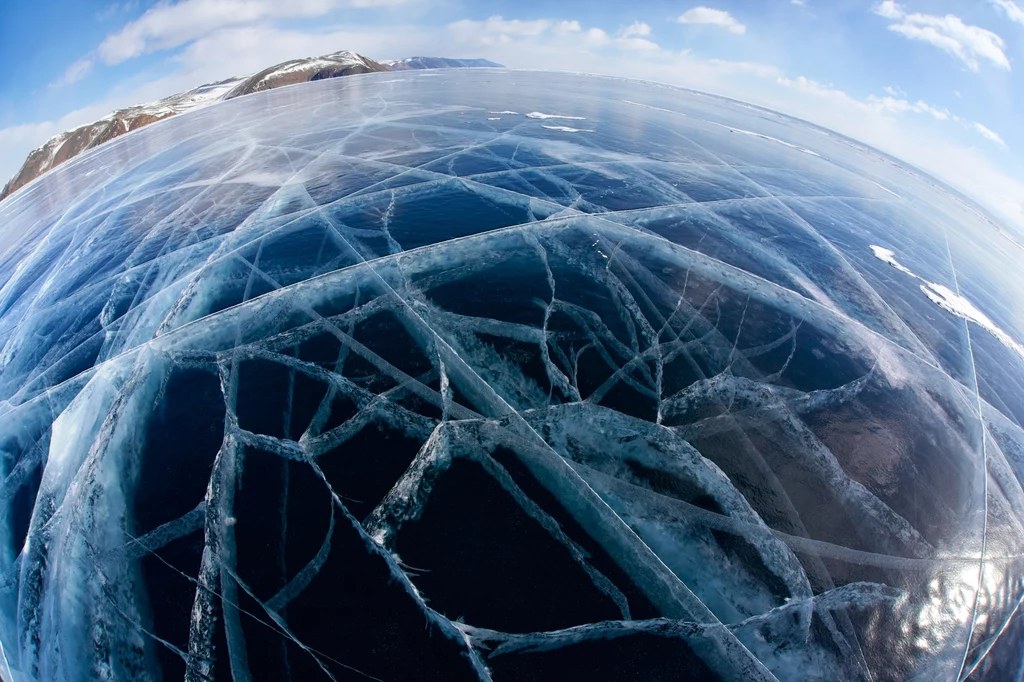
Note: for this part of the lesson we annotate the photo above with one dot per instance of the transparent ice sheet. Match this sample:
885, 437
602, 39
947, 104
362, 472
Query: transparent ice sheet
360, 379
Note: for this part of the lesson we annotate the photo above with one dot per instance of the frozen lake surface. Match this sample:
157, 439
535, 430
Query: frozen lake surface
512, 376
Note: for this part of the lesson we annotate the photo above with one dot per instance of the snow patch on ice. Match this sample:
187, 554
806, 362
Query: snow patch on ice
887, 256
537, 114
951, 302
567, 129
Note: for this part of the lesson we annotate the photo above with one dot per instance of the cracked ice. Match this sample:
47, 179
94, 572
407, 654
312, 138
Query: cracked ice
356, 380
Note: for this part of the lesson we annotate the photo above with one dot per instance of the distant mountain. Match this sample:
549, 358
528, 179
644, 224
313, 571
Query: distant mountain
305, 70
71, 143
413, 63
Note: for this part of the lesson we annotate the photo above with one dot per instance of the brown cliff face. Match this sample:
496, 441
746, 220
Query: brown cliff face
67, 145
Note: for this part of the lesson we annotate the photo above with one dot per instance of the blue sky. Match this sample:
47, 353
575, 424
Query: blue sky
937, 83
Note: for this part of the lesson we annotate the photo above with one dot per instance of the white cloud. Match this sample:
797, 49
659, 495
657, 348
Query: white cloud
499, 31
595, 37
889, 9
988, 134
637, 44
114, 9
636, 29
746, 68
715, 17
239, 51
166, 25
899, 105
1011, 9
949, 33
895, 102
562, 27
74, 73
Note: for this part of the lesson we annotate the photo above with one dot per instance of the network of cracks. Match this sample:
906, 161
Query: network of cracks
393, 423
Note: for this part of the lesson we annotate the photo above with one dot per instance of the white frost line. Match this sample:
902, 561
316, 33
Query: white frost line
649, 106
773, 139
984, 477
537, 114
882, 187
567, 129
951, 301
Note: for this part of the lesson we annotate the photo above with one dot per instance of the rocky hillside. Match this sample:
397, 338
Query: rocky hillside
71, 143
